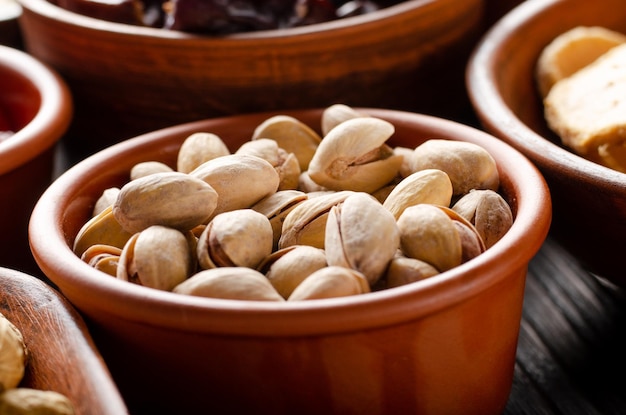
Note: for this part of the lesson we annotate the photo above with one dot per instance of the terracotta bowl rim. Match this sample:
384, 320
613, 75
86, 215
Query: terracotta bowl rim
494, 112
55, 257
382, 16
52, 118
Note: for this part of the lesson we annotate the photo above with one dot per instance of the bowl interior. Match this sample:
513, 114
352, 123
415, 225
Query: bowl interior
67, 205
20, 99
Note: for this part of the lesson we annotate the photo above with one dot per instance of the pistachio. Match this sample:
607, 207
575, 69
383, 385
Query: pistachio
240, 180
306, 184
286, 164
157, 257
427, 233
198, 148
403, 270
28, 401
13, 354
489, 213
306, 223
234, 283
101, 229
468, 165
238, 238
354, 156
173, 199
431, 186
146, 168
292, 135
336, 114
406, 168
288, 267
362, 235
106, 199
330, 282
102, 257
276, 207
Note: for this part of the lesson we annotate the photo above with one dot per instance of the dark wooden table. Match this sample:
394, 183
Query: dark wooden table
571, 356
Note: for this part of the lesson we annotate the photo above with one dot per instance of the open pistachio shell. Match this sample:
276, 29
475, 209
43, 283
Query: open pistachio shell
101, 229
330, 282
198, 148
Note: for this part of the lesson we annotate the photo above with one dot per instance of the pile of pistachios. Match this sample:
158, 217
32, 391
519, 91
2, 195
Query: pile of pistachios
295, 215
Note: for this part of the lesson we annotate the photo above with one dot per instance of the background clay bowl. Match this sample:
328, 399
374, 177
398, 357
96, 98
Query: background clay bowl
36, 103
10, 11
128, 80
62, 355
446, 345
589, 200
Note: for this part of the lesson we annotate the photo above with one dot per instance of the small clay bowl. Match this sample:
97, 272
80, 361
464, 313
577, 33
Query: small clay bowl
61, 354
589, 199
36, 105
423, 348
128, 80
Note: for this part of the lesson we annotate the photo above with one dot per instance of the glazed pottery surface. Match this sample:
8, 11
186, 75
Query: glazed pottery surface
129, 80
36, 104
62, 355
589, 200
445, 345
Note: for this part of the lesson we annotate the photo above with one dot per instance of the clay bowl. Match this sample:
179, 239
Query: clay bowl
62, 355
129, 80
589, 199
35, 103
401, 350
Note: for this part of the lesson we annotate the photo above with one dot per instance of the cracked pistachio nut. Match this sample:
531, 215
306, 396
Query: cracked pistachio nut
330, 282
106, 199
157, 257
176, 200
101, 229
240, 180
104, 258
336, 114
288, 267
403, 270
468, 165
238, 238
489, 213
198, 148
354, 156
286, 164
292, 135
233, 283
362, 235
29, 401
276, 207
431, 186
13, 354
306, 223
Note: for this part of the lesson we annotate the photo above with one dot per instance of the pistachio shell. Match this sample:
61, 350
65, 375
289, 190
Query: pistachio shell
277, 206
238, 238
13, 354
431, 186
288, 267
104, 258
330, 282
173, 199
286, 164
306, 223
106, 199
427, 233
336, 114
148, 167
354, 156
404, 270
157, 257
234, 283
101, 229
198, 148
292, 135
240, 180
489, 213
362, 235
29, 401
468, 165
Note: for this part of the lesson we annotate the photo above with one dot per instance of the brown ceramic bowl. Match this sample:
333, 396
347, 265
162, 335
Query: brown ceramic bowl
129, 80
62, 355
446, 345
589, 199
36, 104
